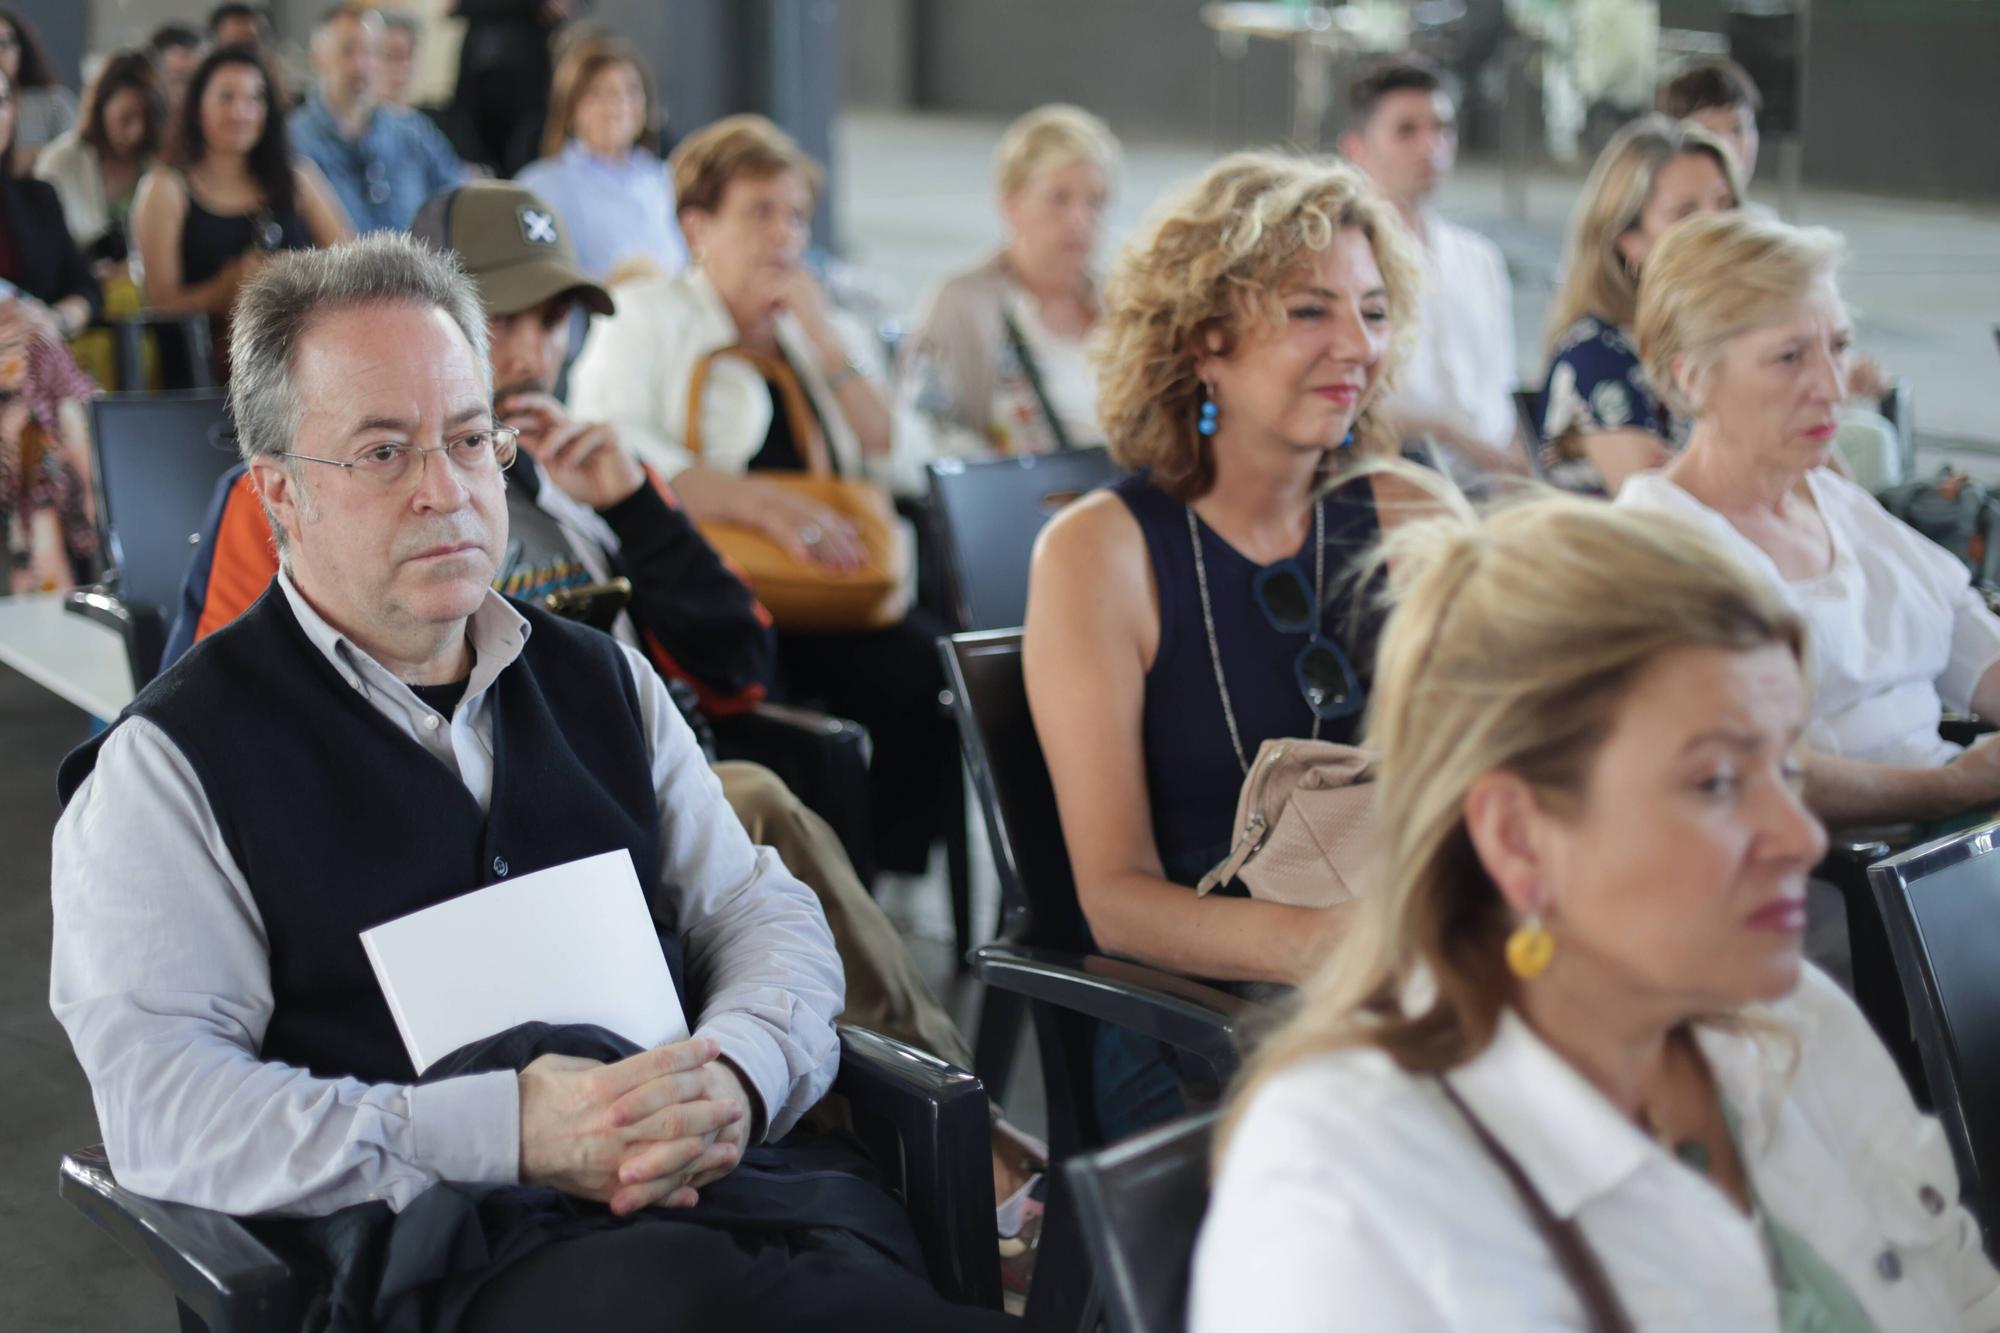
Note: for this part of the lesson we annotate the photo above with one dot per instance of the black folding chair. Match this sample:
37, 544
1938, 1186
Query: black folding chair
1941, 905
156, 459
1045, 957
988, 515
1139, 1207
925, 1120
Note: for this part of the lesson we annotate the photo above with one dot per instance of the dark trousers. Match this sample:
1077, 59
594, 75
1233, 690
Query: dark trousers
888, 680
685, 1278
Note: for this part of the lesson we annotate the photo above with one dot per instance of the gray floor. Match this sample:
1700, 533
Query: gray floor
916, 204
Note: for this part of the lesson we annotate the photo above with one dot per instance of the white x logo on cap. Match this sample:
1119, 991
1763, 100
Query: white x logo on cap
538, 227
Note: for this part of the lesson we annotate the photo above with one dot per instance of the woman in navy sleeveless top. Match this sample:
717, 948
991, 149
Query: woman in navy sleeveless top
1247, 339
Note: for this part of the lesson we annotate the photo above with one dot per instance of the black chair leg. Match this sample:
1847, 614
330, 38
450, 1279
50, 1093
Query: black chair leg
1001, 1014
190, 1321
1063, 1296
958, 866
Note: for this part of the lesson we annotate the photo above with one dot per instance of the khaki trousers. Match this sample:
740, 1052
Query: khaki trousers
885, 992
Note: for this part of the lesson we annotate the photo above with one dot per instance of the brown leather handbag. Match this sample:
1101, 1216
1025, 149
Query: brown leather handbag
1305, 825
800, 594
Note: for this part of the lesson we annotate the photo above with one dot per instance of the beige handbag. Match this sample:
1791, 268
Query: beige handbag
1305, 825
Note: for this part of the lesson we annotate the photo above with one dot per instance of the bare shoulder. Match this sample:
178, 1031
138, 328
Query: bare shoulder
161, 187
1089, 533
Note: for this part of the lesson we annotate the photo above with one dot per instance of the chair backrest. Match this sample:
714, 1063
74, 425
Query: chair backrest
990, 700
1139, 1205
157, 459
1941, 905
988, 514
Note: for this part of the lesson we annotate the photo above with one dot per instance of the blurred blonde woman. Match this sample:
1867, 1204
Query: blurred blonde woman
1601, 420
997, 364
1742, 327
1571, 1071
1196, 608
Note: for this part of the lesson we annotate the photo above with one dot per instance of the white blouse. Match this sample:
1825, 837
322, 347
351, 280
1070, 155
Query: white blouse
1898, 632
1354, 1196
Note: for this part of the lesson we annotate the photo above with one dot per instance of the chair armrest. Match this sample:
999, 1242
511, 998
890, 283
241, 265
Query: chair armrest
141, 628
1185, 1014
943, 1129
823, 759
214, 1266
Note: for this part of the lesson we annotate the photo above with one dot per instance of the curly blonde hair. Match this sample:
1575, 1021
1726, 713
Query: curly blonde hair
1212, 261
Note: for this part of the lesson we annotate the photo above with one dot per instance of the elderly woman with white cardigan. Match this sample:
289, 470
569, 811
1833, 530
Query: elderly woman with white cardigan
739, 367
1741, 325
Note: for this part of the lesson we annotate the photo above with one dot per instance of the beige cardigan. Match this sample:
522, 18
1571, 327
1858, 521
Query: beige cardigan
71, 165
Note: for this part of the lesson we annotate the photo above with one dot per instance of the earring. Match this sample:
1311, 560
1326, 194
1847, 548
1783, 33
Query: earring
1347, 441
1530, 948
1206, 421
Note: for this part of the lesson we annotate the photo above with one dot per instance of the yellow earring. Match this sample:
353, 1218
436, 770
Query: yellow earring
1530, 948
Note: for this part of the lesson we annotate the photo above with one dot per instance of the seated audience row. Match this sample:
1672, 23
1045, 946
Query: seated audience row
393, 706
1574, 1073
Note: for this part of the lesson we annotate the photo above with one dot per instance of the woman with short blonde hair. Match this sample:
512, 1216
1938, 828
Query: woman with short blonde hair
1741, 324
1199, 607
600, 167
1601, 419
997, 364
1573, 1030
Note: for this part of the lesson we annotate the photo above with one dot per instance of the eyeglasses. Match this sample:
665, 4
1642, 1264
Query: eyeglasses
1326, 678
389, 465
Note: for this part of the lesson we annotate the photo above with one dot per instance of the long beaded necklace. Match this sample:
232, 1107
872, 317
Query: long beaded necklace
1208, 619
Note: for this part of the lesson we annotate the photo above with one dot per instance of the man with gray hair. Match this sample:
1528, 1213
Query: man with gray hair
382, 732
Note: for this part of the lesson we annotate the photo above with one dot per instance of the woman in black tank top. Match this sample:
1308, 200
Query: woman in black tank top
231, 195
1242, 368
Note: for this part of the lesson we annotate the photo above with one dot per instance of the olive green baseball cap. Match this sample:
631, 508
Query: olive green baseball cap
513, 245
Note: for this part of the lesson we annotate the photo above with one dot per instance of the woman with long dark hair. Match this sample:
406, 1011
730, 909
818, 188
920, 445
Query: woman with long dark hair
43, 108
95, 168
230, 193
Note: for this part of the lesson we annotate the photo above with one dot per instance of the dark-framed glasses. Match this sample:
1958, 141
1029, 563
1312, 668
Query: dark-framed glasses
389, 465
1326, 678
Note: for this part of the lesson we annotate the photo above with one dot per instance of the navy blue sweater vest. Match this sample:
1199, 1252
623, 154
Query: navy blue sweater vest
339, 821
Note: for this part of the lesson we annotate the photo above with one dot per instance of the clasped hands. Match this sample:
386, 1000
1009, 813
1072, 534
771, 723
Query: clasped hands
655, 1128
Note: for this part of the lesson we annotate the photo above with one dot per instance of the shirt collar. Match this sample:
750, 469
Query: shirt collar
1574, 1145
1571, 1142
321, 115
497, 631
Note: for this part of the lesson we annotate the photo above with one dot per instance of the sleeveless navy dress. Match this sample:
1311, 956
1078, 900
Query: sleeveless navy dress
1192, 773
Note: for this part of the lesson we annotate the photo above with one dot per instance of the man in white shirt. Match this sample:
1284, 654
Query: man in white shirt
381, 732
1456, 390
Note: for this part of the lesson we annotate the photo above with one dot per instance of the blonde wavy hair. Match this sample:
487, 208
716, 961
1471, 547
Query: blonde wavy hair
1050, 138
1712, 278
1596, 280
1511, 646
1212, 260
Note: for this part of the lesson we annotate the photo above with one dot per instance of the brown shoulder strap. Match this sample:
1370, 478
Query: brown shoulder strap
1565, 1238
791, 400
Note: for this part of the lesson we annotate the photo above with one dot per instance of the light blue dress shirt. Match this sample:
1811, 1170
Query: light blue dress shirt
384, 177
616, 209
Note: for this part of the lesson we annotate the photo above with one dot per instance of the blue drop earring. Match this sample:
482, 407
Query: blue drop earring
1209, 415
1347, 441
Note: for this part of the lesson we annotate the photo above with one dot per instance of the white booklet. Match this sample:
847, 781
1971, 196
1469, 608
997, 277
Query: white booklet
570, 944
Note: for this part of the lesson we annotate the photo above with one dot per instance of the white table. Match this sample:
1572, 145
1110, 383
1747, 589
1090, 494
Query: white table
79, 659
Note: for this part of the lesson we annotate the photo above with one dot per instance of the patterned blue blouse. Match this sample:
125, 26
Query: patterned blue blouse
1596, 384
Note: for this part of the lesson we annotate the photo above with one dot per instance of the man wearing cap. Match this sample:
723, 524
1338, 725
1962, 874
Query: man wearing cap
578, 504
383, 732
577, 510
